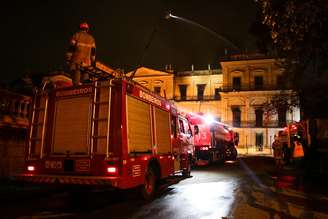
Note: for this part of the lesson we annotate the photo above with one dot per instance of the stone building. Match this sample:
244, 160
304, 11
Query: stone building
235, 94
14, 121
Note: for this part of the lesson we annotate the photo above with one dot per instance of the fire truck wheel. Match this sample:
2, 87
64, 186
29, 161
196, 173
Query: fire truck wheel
235, 154
186, 172
231, 153
149, 187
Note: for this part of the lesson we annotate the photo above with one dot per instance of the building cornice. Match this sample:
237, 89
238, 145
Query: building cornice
247, 62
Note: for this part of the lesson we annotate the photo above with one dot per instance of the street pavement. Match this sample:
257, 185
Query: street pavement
253, 151
289, 192
283, 193
251, 187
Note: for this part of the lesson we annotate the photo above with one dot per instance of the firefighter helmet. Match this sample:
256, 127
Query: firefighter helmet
84, 26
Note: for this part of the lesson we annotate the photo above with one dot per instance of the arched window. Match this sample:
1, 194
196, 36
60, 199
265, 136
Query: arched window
236, 83
236, 116
258, 117
282, 117
200, 91
157, 89
183, 91
258, 82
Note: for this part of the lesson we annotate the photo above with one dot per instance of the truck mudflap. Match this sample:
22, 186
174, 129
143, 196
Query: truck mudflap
69, 180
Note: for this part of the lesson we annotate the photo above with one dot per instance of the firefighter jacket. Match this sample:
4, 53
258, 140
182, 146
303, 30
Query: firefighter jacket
82, 50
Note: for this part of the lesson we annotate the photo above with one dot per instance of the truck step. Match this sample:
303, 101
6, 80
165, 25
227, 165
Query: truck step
101, 102
35, 139
37, 123
99, 136
38, 109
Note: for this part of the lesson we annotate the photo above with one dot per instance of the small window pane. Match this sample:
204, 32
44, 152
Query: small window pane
236, 83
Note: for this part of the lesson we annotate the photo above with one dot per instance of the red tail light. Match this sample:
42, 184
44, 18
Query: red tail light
203, 148
30, 168
112, 170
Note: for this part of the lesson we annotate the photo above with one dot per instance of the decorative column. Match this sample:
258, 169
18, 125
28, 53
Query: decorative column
247, 109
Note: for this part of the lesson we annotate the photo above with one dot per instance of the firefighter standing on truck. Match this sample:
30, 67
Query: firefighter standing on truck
81, 53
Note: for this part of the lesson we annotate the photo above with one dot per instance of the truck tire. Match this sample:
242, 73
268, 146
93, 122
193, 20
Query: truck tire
231, 153
234, 154
222, 158
186, 172
148, 189
210, 158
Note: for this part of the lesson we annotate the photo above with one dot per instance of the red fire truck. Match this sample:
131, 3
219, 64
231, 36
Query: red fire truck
286, 136
113, 133
312, 132
213, 140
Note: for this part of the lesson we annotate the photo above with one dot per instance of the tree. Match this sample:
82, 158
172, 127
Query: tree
299, 34
285, 101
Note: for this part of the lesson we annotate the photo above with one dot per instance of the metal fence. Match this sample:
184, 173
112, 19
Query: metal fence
254, 124
254, 87
197, 98
14, 108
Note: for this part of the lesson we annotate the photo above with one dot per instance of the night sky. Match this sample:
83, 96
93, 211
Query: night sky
36, 33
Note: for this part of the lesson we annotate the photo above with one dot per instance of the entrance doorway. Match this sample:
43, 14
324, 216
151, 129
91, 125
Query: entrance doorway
259, 141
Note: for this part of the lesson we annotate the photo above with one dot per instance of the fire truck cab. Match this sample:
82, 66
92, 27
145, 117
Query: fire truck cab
113, 133
286, 136
213, 140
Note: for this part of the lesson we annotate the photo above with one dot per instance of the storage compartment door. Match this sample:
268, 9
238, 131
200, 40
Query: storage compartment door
72, 125
162, 124
139, 126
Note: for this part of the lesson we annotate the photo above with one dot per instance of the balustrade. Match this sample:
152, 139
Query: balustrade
14, 109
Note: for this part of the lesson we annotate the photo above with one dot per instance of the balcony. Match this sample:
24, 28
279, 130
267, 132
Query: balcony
197, 98
199, 73
14, 109
253, 87
252, 124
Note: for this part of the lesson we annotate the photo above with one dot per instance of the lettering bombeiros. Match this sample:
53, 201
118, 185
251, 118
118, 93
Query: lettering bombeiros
79, 91
150, 98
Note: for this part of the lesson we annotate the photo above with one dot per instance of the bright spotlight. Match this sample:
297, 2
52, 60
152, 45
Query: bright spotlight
168, 15
209, 119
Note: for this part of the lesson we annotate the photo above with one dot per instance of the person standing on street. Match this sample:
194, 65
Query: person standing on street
81, 53
277, 152
298, 152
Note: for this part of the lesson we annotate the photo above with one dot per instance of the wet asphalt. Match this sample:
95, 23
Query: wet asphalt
251, 187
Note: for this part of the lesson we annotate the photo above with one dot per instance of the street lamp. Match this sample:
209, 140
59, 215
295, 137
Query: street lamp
169, 15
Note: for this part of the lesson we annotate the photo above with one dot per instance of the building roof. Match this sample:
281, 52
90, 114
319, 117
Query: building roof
199, 72
148, 72
244, 57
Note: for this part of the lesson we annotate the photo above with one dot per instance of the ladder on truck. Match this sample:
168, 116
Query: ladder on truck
38, 124
101, 116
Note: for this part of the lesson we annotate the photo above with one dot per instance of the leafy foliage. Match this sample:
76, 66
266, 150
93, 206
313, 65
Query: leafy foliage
299, 34
286, 100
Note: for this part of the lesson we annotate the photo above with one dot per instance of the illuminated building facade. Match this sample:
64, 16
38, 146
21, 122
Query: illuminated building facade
14, 121
234, 94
